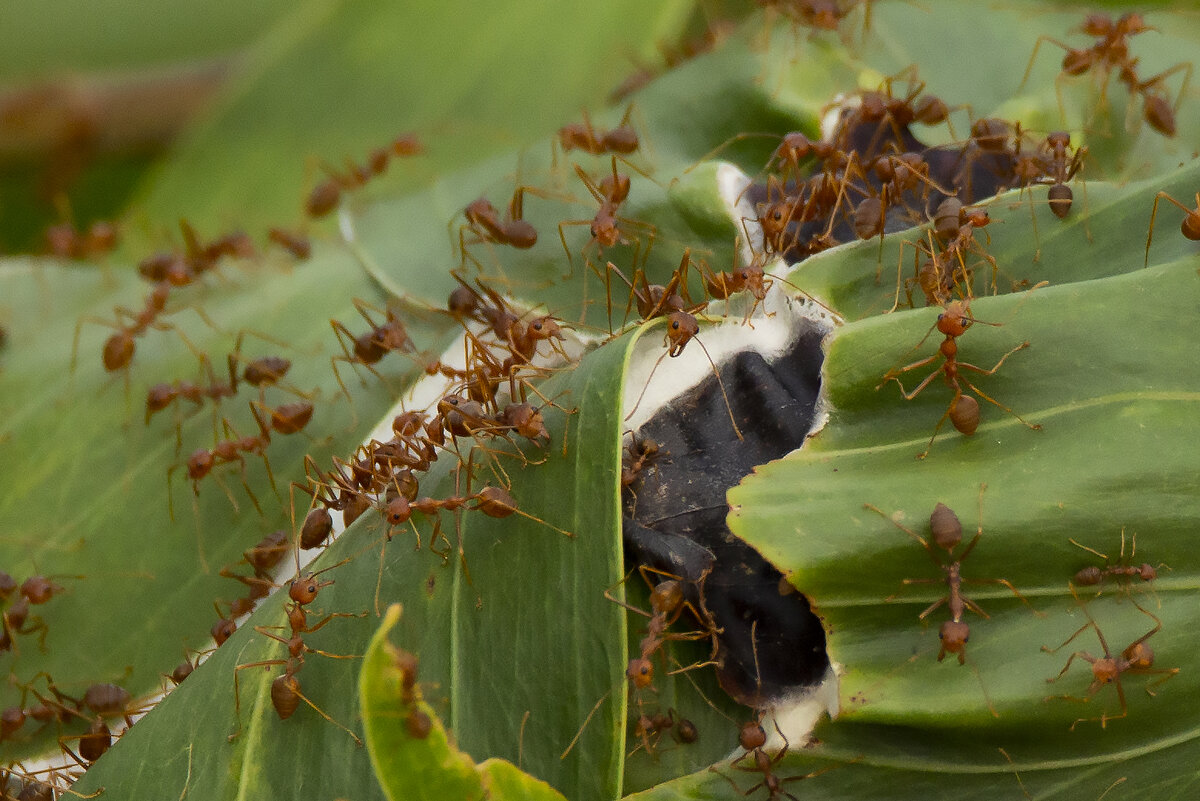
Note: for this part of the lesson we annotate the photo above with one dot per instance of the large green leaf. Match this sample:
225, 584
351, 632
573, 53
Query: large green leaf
339, 79
1116, 452
517, 639
97, 503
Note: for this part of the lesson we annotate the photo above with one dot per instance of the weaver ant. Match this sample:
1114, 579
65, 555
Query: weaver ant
371, 347
753, 739
326, 195
606, 226
963, 411
667, 603
1137, 659
1122, 570
1190, 227
946, 532
228, 451
64, 242
583, 136
295, 244
286, 693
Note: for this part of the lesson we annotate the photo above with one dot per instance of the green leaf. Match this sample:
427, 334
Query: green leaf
360, 73
88, 481
424, 767
1114, 454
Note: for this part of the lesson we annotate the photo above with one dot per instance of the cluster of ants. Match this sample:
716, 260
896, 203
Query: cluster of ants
870, 176
946, 533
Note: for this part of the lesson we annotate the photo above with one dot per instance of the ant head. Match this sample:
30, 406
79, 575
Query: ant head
1147, 572
945, 527
991, 133
1098, 25
1105, 670
1130, 24
304, 589
199, 464
955, 320
681, 327
545, 327
222, 630
39, 589
640, 672
398, 511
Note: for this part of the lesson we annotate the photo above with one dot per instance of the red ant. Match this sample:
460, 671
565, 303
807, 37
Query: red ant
417, 723
35, 591
605, 227
286, 693
371, 347
326, 195
963, 410
1121, 570
1190, 227
583, 136
1137, 659
753, 739
65, 242
946, 531
118, 348
667, 603
161, 396
1109, 52
228, 451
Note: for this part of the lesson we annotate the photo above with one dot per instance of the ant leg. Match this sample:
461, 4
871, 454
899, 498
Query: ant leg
237, 696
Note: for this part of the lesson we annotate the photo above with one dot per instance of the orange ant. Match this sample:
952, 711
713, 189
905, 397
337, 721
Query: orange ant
119, 348
1190, 227
162, 395
65, 242
228, 451
416, 722
667, 603
605, 227
963, 411
286, 693
326, 195
295, 244
1122, 570
371, 347
753, 739
1109, 52
1137, 659
946, 531
583, 136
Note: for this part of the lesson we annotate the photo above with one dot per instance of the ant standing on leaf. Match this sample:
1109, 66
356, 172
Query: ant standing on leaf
963, 410
946, 531
1137, 659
